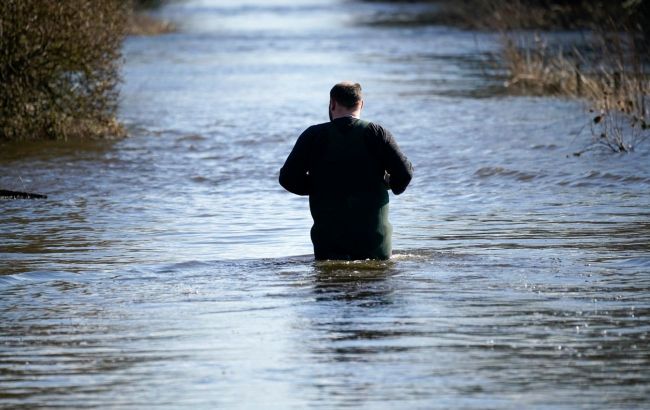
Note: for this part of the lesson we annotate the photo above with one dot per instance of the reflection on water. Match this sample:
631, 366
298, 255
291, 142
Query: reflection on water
363, 283
170, 268
428, 328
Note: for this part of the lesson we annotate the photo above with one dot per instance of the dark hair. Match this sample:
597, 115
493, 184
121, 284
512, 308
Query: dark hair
346, 94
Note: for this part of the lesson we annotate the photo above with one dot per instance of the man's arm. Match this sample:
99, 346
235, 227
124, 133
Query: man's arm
294, 176
397, 165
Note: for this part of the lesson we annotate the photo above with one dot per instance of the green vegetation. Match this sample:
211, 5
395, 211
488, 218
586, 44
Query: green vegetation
59, 68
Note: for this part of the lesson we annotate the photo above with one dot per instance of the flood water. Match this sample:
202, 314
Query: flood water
171, 270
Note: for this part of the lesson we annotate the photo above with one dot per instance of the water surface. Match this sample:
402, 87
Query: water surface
171, 269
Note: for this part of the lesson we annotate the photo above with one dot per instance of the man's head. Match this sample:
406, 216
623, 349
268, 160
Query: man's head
345, 100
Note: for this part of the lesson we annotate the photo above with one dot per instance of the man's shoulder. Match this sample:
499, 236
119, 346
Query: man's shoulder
316, 129
311, 132
374, 126
377, 130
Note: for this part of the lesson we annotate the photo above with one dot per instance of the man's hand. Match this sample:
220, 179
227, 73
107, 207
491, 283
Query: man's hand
387, 179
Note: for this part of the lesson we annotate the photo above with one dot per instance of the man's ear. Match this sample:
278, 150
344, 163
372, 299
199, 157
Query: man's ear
361, 106
332, 104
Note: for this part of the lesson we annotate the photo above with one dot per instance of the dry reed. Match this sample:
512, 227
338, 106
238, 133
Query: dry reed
615, 85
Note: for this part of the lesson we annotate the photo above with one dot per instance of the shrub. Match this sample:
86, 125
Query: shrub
59, 64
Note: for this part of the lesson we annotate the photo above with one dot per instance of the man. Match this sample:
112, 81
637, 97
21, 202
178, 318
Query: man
346, 167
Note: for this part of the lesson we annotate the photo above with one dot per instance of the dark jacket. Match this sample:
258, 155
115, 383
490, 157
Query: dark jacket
341, 165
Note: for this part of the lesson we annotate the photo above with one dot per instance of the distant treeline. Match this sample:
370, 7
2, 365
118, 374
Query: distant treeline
59, 63
537, 14
545, 14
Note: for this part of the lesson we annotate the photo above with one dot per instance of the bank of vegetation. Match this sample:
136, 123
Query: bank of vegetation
59, 67
593, 50
607, 65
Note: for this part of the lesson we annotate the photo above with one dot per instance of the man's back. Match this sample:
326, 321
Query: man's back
341, 166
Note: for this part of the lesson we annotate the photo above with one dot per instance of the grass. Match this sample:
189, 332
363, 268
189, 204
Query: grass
614, 84
607, 67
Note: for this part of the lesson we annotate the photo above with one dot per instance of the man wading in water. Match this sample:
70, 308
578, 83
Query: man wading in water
346, 167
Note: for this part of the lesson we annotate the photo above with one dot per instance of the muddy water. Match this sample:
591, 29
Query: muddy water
170, 269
